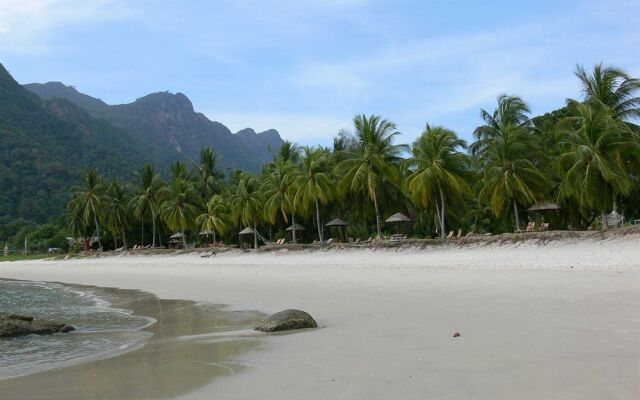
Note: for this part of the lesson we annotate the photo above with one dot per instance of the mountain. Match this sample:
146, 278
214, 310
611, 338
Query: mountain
168, 124
46, 146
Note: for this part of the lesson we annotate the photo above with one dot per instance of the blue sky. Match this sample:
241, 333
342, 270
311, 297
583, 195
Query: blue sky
307, 67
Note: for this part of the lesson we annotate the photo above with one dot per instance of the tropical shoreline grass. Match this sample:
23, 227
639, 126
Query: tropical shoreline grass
21, 257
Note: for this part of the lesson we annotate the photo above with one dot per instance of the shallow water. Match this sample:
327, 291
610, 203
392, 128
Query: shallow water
129, 344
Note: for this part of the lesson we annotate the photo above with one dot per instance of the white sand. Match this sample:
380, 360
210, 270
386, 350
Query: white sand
532, 327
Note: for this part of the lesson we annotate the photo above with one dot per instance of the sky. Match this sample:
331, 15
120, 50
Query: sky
306, 68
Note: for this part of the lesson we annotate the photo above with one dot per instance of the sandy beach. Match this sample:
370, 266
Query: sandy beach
559, 321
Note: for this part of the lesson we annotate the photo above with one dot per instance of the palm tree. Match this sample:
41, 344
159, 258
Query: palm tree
209, 177
179, 171
593, 164
150, 192
313, 183
117, 212
374, 162
86, 201
179, 211
612, 87
214, 218
503, 151
288, 151
277, 191
437, 166
245, 204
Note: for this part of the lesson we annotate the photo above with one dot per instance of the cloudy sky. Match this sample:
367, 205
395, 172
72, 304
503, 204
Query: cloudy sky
307, 67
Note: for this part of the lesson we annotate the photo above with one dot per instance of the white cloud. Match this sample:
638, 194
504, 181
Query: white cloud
25, 25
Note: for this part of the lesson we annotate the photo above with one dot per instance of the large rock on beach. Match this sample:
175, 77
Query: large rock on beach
19, 325
287, 320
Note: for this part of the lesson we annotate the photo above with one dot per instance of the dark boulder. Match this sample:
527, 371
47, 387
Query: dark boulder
18, 325
287, 320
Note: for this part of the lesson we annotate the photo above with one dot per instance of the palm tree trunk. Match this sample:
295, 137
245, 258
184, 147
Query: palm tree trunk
184, 240
255, 236
515, 210
153, 219
605, 223
439, 227
95, 218
318, 221
214, 237
293, 224
115, 242
142, 237
124, 239
442, 214
375, 204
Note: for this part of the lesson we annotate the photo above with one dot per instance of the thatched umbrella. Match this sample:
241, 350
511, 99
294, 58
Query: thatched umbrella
298, 228
397, 218
246, 231
340, 224
544, 206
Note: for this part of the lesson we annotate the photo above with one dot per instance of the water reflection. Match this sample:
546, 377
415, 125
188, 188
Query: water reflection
165, 367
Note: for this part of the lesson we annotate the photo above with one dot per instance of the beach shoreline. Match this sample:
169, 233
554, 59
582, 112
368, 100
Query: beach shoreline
553, 320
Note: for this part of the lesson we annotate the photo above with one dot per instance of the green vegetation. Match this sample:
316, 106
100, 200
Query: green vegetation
584, 157
17, 257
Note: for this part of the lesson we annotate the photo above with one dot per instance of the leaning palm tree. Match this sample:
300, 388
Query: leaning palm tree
277, 191
179, 210
117, 212
245, 204
214, 219
596, 146
87, 201
503, 150
151, 189
313, 183
612, 87
374, 161
288, 151
437, 167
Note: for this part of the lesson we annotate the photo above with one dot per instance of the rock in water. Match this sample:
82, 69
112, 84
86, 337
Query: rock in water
18, 325
287, 320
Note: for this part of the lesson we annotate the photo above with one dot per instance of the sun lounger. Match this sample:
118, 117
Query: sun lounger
543, 227
531, 227
459, 234
329, 241
450, 235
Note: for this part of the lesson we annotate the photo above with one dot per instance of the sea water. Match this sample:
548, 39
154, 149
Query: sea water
101, 330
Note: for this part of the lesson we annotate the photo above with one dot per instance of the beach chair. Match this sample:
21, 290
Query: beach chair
531, 227
450, 235
329, 241
459, 234
358, 240
543, 227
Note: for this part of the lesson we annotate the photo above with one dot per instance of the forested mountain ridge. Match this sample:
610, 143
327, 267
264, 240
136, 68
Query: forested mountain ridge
46, 146
172, 129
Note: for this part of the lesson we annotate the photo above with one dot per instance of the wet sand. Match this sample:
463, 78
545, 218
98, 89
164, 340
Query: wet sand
192, 344
558, 321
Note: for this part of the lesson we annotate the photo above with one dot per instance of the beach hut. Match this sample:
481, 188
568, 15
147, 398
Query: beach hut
397, 218
178, 239
340, 224
245, 232
298, 228
207, 234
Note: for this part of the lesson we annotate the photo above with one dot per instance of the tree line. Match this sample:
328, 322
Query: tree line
585, 157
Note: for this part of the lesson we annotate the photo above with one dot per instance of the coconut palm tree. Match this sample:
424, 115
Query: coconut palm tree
503, 150
209, 177
151, 189
246, 206
288, 151
87, 201
179, 210
374, 162
278, 192
313, 183
214, 219
437, 167
117, 212
596, 147
612, 87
